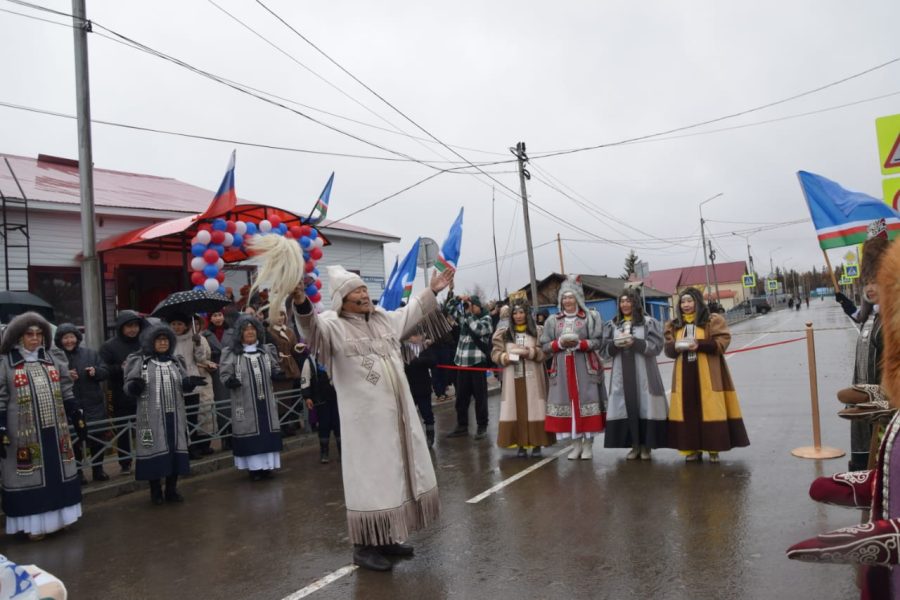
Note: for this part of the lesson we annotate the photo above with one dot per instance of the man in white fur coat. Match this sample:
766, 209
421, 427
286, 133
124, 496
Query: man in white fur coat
390, 487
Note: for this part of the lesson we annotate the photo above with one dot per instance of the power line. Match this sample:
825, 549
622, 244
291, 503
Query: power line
723, 117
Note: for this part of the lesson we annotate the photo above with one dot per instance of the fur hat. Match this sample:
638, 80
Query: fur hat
19, 325
872, 252
341, 282
889, 304
151, 332
241, 323
572, 285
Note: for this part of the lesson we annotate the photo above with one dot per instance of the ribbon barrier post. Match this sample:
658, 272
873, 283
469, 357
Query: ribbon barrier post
817, 450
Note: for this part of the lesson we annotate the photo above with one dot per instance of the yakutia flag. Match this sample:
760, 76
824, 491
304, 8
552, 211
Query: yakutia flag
399, 286
226, 197
450, 249
321, 208
841, 216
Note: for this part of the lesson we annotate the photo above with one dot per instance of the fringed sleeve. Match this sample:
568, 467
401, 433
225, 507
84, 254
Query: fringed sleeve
422, 310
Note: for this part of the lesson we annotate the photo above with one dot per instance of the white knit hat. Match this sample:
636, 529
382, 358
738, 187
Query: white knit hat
341, 282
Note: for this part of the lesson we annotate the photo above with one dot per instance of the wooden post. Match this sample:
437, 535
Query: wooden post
562, 267
816, 450
837, 288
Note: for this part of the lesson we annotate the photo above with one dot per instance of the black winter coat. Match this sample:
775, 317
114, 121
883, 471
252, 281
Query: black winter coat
113, 353
417, 372
87, 390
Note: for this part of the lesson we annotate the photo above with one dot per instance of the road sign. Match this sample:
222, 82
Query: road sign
891, 188
749, 281
772, 285
888, 130
850, 257
845, 280
851, 270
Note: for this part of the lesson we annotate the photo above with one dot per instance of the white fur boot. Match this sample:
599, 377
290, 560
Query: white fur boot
587, 449
576, 450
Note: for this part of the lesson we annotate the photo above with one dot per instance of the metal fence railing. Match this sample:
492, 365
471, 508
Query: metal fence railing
104, 435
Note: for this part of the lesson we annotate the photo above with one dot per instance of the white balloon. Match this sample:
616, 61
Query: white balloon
318, 242
203, 237
220, 264
265, 226
240, 227
229, 240
211, 284
194, 240
197, 263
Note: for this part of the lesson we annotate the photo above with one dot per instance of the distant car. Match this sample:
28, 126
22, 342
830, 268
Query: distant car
760, 305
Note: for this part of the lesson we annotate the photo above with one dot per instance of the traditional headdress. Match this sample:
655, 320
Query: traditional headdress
519, 301
341, 282
637, 310
572, 285
19, 325
700, 309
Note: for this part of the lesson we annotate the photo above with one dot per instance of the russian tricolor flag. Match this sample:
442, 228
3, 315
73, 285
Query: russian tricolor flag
226, 197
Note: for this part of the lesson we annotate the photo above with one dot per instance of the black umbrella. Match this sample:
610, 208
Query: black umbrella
16, 303
190, 302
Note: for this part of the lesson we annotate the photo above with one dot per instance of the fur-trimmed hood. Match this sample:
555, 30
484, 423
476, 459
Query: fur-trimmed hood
17, 327
239, 324
572, 285
63, 330
149, 334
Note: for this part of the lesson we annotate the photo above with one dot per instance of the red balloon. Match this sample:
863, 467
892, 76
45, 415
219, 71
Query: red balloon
305, 230
310, 265
296, 231
275, 220
230, 226
197, 277
316, 298
211, 256
217, 236
288, 235
315, 253
220, 276
318, 284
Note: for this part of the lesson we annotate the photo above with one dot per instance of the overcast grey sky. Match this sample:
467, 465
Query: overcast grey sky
484, 75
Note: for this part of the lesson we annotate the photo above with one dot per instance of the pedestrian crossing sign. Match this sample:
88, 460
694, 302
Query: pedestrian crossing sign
772, 285
749, 281
851, 270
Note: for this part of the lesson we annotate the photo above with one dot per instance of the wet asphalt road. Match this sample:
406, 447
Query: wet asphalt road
605, 528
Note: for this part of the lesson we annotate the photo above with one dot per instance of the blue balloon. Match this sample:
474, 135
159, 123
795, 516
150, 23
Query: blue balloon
221, 290
311, 290
282, 228
305, 242
306, 256
252, 228
198, 249
210, 271
220, 225
199, 288
313, 234
238, 240
218, 248
316, 271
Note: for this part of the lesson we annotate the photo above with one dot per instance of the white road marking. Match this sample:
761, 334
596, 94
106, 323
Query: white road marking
517, 476
318, 585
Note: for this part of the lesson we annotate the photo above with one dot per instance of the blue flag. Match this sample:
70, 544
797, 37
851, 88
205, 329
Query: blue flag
321, 208
449, 255
841, 216
399, 285
390, 281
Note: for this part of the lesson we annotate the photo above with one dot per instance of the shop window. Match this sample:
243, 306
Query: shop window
61, 288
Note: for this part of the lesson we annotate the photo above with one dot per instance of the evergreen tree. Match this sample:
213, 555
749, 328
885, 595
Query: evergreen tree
631, 262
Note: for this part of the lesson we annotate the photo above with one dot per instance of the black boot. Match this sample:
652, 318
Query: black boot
99, 474
429, 435
397, 549
172, 494
323, 452
368, 557
156, 495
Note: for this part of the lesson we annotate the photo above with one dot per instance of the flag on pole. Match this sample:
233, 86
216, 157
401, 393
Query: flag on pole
841, 216
321, 208
390, 281
226, 198
449, 255
399, 285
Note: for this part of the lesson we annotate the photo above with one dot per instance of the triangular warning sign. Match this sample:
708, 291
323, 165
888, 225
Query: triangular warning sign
893, 157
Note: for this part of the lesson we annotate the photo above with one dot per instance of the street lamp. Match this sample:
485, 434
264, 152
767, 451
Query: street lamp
773, 274
703, 238
751, 270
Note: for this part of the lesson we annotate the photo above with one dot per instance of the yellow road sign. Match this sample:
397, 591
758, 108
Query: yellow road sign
851, 271
749, 280
773, 285
891, 188
888, 130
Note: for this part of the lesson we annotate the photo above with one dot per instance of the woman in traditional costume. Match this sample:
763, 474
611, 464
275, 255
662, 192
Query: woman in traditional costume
523, 402
704, 413
40, 486
577, 396
159, 380
638, 408
246, 369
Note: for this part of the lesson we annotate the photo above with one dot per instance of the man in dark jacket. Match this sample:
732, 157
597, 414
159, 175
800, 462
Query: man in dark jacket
420, 357
86, 370
113, 352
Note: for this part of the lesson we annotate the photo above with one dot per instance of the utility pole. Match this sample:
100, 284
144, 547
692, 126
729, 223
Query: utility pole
519, 152
91, 289
494, 235
703, 239
562, 267
712, 259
